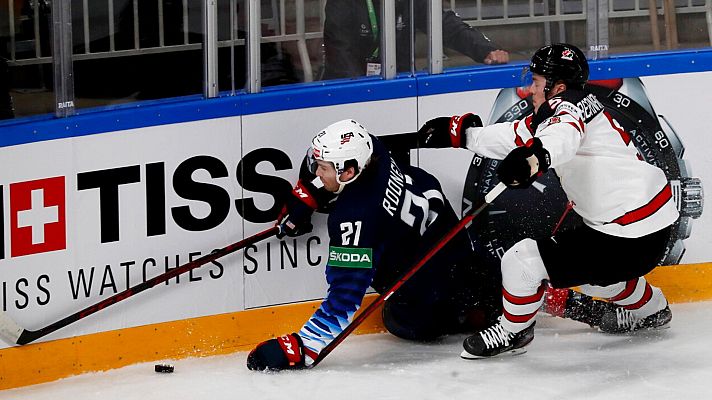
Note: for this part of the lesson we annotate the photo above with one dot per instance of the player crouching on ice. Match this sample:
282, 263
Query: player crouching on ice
626, 204
382, 215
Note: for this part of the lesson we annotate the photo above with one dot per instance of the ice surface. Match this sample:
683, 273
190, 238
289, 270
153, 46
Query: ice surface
566, 360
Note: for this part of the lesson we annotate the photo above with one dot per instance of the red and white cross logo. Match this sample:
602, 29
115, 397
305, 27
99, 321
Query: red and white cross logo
37, 216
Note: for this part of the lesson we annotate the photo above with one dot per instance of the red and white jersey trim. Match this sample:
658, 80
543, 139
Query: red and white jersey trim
598, 166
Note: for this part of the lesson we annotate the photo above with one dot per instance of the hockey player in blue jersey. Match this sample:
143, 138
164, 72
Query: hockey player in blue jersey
381, 217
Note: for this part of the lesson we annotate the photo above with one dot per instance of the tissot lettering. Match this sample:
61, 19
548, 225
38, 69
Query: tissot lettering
250, 179
108, 182
269, 258
25, 291
215, 196
200, 183
110, 279
155, 199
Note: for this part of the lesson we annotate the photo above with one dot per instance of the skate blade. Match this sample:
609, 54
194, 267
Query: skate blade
514, 352
637, 331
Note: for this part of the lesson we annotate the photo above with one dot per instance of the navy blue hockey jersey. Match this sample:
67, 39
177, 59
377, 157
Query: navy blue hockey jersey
379, 226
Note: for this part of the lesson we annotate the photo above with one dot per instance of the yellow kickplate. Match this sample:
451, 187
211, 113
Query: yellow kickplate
683, 283
195, 337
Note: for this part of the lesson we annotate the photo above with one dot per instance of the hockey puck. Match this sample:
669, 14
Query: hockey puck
164, 368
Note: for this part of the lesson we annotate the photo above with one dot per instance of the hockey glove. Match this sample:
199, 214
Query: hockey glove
284, 352
295, 218
567, 303
444, 132
524, 164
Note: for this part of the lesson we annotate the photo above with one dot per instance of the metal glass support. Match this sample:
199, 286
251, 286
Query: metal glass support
254, 36
388, 39
411, 38
435, 34
210, 48
301, 41
233, 38
597, 28
62, 57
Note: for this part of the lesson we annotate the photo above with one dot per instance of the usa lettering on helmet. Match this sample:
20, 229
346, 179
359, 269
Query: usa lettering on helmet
341, 143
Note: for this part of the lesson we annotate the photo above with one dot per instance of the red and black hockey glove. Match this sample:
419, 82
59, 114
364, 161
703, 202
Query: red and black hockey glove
284, 352
524, 164
567, 303
445, 132
295, 217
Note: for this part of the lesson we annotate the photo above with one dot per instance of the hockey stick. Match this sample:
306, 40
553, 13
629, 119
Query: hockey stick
11, 332
489, 198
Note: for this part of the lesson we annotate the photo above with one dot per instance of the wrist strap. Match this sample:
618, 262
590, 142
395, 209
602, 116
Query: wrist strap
291, 348
300, 191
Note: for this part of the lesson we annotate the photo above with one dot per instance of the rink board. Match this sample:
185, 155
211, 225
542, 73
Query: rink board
129, 194
226, 333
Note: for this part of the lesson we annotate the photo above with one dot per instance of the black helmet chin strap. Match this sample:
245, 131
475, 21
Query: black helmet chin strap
549, 86
550, 83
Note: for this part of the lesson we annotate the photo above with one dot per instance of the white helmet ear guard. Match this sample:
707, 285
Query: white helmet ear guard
345, 143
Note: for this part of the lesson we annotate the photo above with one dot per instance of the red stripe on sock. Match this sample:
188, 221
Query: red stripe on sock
629, 289
647, 295
520, 301
518, 319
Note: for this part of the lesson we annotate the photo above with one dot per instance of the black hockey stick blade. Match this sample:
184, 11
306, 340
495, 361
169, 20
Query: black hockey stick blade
489, 198
13, 333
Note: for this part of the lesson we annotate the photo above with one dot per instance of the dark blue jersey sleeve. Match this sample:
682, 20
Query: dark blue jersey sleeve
347, 287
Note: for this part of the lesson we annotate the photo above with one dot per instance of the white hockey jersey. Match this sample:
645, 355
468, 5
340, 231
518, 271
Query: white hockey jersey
600, 170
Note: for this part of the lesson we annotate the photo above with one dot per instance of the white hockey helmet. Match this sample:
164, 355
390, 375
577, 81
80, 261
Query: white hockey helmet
345, 143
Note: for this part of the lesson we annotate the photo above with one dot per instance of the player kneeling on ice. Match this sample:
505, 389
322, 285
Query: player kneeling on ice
382, 216
626, 204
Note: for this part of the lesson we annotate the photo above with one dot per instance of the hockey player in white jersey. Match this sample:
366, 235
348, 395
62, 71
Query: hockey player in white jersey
626, 204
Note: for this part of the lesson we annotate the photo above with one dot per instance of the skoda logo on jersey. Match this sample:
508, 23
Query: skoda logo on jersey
37, 216
350, 257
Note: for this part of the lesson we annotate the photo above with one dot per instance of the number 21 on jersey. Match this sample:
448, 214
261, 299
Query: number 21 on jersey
350, 233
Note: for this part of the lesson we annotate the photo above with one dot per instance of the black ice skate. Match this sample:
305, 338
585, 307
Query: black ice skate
583, 308
495, 341
623, 321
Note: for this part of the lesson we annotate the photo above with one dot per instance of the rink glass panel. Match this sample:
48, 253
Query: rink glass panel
129, 51
126, 51
26, 47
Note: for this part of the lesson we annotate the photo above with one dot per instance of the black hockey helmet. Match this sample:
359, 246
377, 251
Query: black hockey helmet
560, 62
